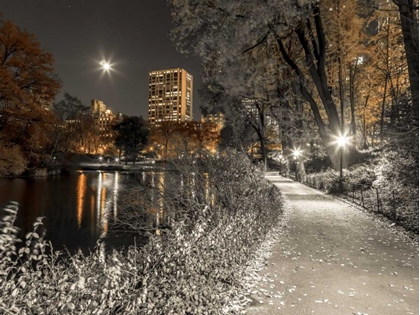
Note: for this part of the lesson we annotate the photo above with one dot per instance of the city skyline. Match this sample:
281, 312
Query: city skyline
80, 35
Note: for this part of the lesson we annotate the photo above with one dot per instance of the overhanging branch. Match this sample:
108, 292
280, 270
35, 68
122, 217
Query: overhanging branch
260, 41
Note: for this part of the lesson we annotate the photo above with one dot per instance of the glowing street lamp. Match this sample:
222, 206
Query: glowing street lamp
296, 154
341, 141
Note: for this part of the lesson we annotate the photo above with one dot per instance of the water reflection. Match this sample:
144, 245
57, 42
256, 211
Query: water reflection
157, 197
103, 200
115, 195
81, 191
79, 208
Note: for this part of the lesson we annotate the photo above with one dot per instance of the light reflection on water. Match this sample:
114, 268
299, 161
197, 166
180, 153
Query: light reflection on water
77, 208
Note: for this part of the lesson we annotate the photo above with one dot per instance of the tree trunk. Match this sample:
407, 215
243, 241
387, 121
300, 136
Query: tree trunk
353, 73
382, 121
364, 131
55, 143
341, 88
410, 30
260, 128
340, 72
315, 56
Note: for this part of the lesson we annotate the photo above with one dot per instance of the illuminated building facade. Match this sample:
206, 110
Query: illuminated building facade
104, 118
170, 96
217, 119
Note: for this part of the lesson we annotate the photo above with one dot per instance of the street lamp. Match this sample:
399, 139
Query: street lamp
296, 154
341, 141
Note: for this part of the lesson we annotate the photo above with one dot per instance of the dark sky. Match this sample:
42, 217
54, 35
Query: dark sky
132, 35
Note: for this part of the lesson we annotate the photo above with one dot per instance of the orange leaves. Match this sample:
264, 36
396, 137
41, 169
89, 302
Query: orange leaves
27, 87
172, 139
25, 68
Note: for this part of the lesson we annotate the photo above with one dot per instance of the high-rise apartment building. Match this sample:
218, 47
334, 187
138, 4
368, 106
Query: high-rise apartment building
104, 118
170, 96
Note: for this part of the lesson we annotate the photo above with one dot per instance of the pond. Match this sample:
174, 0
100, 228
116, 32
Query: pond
77, 208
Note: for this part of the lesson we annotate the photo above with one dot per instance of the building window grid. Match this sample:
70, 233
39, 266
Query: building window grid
170, 83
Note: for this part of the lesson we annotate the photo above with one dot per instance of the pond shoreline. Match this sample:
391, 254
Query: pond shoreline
78, 207
58, 170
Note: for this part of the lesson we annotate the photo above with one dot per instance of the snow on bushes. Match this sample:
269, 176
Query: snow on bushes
195, 268
388, 185
397, 176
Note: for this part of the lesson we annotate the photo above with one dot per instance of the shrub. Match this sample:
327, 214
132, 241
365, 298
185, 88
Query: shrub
328, 181
388, 185
356, 157
361, 176
317, 164
397, 177
12, 161
227, 209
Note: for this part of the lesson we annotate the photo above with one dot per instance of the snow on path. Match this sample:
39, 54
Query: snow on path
334, 259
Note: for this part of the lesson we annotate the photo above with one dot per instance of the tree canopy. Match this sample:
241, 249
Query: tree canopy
27, 87
132, 136
75, 130
280, 54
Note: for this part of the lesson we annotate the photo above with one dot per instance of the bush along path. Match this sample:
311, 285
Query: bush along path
335, 259
222, 216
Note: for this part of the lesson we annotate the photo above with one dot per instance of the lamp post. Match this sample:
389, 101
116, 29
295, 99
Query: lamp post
296, 154
341, 141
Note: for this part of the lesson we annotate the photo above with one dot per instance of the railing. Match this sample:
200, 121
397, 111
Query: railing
372, 199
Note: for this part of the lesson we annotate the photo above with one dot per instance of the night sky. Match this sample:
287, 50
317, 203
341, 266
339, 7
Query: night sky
132, 35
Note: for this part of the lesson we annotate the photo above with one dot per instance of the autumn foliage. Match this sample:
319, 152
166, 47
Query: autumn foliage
319, 68
27, 87
174, 139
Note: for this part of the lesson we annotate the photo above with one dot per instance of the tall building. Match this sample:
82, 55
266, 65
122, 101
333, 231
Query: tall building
104, 118
170, 96
98, 106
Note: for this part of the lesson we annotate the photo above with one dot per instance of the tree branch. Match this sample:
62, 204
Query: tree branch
260, 41
312, 37
321, 37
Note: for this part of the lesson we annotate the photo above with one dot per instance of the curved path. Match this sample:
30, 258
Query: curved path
335, 259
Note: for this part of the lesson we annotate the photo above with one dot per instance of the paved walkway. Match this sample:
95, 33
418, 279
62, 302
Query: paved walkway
335, 259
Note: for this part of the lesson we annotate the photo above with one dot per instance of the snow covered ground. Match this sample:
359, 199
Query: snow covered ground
335, 259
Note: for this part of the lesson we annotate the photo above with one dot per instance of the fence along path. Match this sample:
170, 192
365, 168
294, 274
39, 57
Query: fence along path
333, 259
376, 200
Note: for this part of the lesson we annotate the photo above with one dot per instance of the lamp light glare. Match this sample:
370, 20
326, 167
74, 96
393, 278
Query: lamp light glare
342, 141
296, 153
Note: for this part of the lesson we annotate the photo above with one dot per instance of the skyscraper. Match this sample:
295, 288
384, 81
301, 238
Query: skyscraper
104, 118
170, 96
